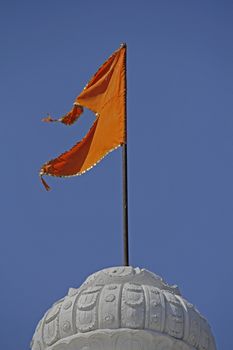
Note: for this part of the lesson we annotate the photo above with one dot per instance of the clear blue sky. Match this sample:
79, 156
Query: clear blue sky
180, 120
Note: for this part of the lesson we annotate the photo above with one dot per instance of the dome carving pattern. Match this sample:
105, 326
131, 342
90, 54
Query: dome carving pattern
123, 308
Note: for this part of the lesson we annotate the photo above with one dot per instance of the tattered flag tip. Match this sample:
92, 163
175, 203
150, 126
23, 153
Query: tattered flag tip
45, 184
69, 118
48, 119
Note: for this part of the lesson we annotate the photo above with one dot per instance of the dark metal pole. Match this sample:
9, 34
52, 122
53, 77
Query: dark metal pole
125, 206
125, 178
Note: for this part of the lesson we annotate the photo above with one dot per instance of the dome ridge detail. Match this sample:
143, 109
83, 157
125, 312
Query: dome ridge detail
118, 301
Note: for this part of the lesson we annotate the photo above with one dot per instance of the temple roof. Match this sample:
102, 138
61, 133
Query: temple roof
123, 302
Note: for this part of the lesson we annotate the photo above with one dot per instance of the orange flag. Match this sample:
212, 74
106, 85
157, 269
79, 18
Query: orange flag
105, 95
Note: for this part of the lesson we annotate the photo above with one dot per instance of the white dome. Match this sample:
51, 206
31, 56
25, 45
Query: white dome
123, 308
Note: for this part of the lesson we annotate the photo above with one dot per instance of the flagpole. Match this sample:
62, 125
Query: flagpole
125, 178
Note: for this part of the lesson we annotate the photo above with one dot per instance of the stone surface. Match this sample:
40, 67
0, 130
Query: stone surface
123, 308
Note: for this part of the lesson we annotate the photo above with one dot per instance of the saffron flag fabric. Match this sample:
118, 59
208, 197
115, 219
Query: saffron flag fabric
69, 118
105, 95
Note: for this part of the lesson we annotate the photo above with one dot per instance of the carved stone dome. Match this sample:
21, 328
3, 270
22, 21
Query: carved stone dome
123, 308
